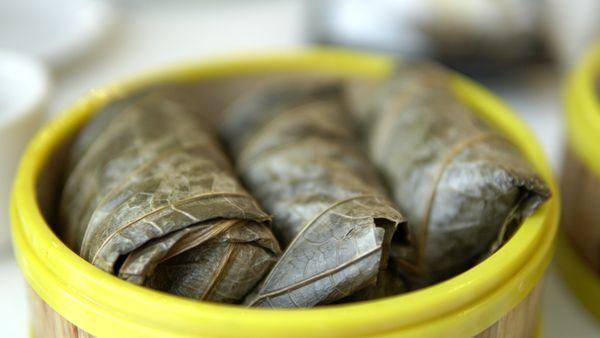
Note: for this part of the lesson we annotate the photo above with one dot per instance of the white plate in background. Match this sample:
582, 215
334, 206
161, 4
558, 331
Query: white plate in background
24, 88
56, 32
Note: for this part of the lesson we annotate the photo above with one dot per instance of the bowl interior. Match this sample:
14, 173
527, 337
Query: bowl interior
503, 279
207, 98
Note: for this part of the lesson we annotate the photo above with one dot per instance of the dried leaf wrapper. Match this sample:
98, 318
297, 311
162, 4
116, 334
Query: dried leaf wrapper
300, 155
463, 187
151, 197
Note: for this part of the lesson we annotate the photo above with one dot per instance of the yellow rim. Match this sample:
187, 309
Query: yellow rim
107, 306
584, 282
583, 110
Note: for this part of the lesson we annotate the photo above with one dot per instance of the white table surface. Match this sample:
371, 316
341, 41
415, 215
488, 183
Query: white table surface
154, 33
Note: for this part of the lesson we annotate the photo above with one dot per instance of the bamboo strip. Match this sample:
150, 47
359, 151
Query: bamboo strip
47, 323
521, 321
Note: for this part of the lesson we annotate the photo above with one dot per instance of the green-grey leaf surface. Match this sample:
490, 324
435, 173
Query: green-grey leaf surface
301, 156
463, 187
150, 186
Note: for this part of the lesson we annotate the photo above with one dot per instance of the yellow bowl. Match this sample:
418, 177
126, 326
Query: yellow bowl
106, 306
583, 118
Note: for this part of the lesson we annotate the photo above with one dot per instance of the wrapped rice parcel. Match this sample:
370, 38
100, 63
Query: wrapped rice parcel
300, 155
463, 187
151, 197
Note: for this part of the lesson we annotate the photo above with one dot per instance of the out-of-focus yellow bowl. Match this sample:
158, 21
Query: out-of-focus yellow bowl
583, 122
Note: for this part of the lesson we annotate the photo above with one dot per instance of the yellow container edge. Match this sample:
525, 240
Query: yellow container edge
582, 107
106, 306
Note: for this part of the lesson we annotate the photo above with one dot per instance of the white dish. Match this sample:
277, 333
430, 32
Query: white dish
24, 87
56, 32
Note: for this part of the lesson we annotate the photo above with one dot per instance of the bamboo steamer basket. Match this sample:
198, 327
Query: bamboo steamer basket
69, 297
579, 245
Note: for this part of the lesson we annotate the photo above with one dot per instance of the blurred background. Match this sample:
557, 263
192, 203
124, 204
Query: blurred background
520, 49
